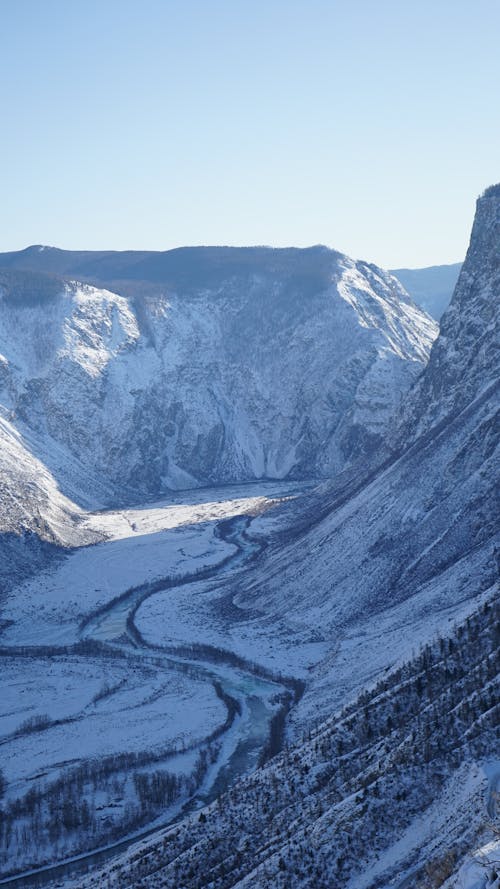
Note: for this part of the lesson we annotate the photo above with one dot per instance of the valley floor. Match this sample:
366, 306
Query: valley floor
100, 732
138, 680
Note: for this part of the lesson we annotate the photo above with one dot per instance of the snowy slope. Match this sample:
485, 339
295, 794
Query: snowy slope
258, 364
373, 573
387, 792
36, 520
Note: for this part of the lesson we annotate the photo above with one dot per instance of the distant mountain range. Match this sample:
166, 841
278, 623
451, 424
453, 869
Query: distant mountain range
431, 287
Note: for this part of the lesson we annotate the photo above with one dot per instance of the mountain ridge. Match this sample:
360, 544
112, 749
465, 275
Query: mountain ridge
430, 287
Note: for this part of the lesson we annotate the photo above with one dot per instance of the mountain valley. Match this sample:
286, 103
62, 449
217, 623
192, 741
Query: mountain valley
249, 561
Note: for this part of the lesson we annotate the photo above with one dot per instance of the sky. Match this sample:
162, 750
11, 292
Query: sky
367, 125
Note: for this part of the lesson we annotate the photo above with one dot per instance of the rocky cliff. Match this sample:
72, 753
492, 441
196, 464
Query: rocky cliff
465, 358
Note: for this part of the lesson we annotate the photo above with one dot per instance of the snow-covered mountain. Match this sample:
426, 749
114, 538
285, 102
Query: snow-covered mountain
228, 365
465, 358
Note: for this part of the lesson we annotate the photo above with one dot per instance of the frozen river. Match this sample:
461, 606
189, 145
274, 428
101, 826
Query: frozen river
204, 537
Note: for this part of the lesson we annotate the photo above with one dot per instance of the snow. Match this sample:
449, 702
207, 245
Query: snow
479, 870
161, 539
427, 834
61, 709
35, 517
177, 711
336, 587
243, 382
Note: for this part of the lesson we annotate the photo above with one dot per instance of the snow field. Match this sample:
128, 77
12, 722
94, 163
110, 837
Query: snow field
93, 709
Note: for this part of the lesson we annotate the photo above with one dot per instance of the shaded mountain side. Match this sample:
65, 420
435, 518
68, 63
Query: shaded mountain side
37, 523
24, 554
185, 269
22, 288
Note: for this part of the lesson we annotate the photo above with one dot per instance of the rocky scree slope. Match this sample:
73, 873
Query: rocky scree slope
210, 365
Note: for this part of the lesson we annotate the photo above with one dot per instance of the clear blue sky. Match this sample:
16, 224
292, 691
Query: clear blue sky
367, 125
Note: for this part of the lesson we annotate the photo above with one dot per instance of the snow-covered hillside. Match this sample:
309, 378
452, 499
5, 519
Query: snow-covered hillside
419, 533
36, 520
263, 364
387, 792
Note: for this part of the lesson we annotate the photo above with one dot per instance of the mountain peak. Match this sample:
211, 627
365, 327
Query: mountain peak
493, 191
37, 248
464, 359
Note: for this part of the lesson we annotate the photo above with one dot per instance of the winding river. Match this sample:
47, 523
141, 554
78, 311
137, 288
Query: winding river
252, 695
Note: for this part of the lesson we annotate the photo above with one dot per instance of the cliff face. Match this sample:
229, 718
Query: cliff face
465, 358
225, 365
